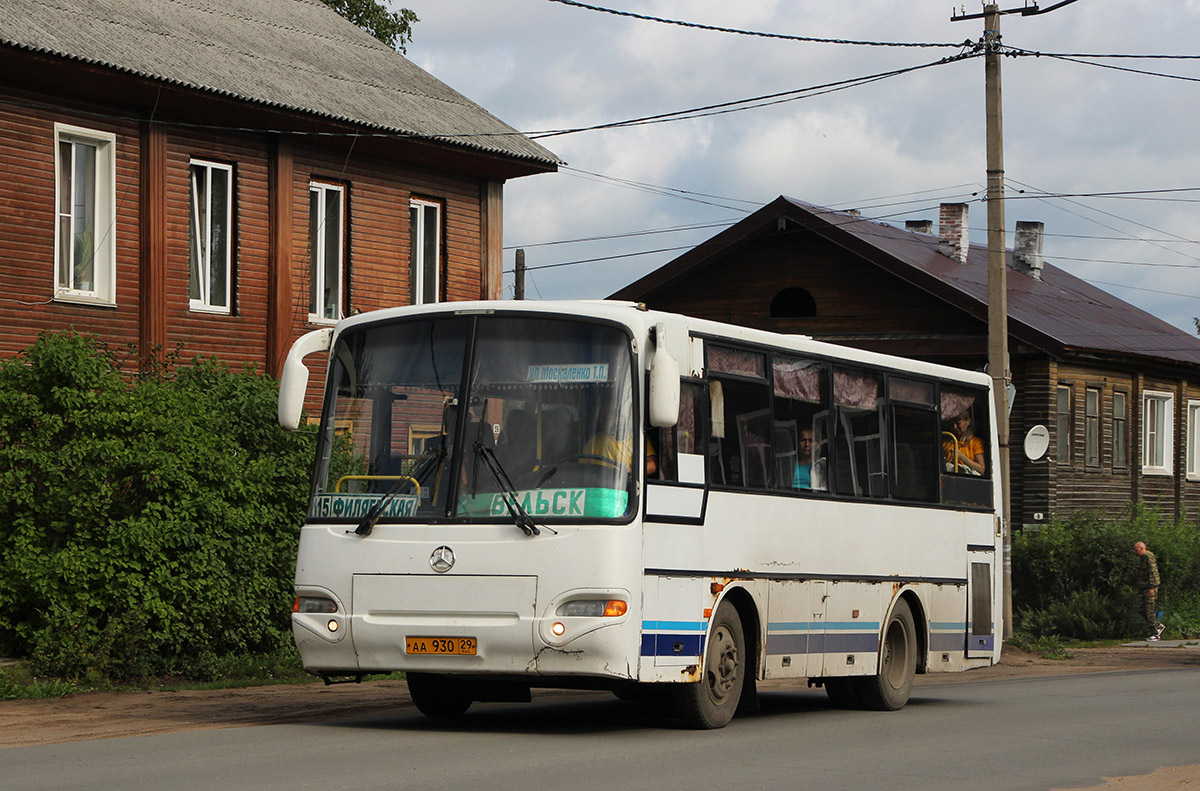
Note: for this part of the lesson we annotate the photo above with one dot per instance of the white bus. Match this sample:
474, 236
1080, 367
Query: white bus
511, 495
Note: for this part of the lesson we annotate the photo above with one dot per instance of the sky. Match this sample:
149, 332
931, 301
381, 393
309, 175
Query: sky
631, 199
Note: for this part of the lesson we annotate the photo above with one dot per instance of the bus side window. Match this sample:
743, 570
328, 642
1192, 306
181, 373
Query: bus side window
680, 449
964, 439
858, 450
801, 408
740, 454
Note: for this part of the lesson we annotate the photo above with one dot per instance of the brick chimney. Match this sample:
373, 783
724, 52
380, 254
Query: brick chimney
952, 231
919, 226
1027, 249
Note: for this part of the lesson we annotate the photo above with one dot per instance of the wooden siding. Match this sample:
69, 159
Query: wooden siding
377, 254
27, 205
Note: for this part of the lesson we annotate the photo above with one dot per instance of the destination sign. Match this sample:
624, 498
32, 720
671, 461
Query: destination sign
356, 506
570, 373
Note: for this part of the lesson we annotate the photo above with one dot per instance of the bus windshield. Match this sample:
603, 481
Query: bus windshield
461, 417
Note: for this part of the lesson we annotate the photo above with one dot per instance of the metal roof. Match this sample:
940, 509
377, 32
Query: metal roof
292, 54
1056, 314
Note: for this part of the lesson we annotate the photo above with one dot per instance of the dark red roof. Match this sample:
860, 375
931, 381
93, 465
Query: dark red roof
1056, 314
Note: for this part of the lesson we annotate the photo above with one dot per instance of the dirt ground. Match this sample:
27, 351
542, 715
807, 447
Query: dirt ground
100, 715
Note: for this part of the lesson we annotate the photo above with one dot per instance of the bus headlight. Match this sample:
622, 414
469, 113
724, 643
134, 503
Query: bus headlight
593, 608
314, 604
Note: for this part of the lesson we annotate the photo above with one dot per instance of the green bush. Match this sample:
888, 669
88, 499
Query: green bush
1075, 578
147, 527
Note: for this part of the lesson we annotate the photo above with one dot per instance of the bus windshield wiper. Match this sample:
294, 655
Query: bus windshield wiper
422, 464
508, 492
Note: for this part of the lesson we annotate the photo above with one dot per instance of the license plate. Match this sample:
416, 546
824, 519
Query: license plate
464, 646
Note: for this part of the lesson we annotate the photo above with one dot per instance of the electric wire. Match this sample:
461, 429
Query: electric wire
753, 103
755, 33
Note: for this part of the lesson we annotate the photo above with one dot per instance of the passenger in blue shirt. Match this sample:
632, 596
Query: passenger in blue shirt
802, 477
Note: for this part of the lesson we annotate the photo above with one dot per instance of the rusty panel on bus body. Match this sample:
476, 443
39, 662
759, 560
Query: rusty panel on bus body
493, 615
674, 626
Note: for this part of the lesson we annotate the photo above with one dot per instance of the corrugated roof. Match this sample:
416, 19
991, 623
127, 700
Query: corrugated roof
291, 54
1060, 312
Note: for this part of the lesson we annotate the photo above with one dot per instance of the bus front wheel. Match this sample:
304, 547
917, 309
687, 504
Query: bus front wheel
438, 696
712, 702
889, 690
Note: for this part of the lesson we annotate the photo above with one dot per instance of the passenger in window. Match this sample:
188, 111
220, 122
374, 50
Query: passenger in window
802, 478
963, 450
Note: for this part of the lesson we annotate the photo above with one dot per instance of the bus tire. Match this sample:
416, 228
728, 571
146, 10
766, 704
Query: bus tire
889, 690
712, 702
438, 696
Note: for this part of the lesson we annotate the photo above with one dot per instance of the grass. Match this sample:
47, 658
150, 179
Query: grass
17, 681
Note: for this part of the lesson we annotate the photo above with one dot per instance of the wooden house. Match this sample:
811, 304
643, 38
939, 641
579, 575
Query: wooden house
225, 174
1117, 388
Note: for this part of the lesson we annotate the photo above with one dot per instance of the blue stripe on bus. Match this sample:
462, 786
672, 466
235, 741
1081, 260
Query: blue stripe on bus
819, 626
674, 626
672, 644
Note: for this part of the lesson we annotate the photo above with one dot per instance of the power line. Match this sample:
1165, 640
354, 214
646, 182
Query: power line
628, 234
756, 33
603, 258
752, 103
1029, 53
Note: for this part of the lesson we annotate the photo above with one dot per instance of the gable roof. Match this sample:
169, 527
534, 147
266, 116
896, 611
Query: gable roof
1058, 314
296, 55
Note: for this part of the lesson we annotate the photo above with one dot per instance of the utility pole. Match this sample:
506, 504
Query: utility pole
998, 282
998, 363
519, 277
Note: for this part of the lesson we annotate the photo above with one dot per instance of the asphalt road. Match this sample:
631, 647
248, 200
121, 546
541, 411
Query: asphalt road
1029, 733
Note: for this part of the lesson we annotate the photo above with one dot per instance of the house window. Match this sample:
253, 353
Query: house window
326, 230
1063, 425
210, 225
85, 197
425, 233
1193, 440
1091, 428
1156, 432
1120, 448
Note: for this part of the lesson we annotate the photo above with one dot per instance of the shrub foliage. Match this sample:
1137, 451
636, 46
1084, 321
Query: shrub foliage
1075, 578
147, 527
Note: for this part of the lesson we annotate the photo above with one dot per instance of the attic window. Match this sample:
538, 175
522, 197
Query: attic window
793, 303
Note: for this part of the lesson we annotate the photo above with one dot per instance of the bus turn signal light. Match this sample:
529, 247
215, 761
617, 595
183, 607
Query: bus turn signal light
615, 608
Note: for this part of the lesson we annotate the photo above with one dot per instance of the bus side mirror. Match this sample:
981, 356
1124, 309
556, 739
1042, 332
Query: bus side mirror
294, 383
664, 384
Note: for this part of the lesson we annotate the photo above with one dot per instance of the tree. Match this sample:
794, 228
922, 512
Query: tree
393, 29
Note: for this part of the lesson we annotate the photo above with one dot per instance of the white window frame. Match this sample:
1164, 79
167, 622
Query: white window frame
1158, 424
203, 257
419, 244
101, 289
317, 264
1193, 440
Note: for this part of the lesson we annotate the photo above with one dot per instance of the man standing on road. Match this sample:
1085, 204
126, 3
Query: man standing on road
1148, 582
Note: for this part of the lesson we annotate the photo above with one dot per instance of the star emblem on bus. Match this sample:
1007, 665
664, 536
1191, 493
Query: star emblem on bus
442, 559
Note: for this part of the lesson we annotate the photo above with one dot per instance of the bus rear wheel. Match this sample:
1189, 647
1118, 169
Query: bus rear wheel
712, 702
438, 696
889, 690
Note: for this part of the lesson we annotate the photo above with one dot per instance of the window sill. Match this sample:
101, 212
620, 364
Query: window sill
197, 307
79, 298
321, 322
1156, 472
